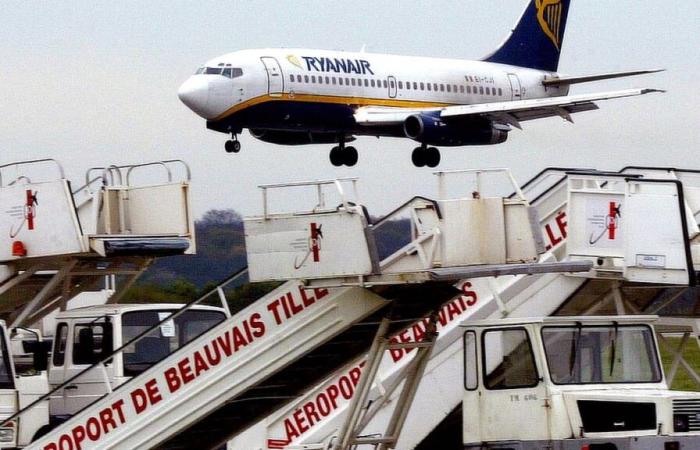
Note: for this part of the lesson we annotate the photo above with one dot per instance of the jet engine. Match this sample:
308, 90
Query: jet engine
433, 130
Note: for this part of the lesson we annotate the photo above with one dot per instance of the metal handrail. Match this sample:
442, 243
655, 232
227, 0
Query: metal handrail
33, 161
109, 170
477, 172
338, 182
231, 278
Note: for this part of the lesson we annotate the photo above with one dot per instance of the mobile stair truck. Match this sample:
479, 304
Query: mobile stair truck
64, 241
323, 317
434, 421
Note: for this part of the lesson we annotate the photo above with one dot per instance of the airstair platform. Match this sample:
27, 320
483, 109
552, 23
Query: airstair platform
312, 331
64, 240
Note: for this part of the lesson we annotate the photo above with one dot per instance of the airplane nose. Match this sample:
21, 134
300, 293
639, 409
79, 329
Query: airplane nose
195, 94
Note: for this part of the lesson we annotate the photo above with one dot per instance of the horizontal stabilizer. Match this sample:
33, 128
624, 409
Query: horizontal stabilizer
604, 76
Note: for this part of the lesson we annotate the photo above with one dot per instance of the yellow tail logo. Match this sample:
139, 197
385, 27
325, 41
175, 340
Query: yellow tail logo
549, 14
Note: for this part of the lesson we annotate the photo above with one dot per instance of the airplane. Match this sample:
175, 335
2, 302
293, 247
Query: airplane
304, 96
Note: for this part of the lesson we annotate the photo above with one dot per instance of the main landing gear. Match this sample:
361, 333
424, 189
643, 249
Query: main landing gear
342, 155
232, 145
425, 156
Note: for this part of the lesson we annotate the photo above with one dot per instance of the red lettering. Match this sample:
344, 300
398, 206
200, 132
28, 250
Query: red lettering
304, 299
418, 332
185, 370
246, 328
562, 223
471, 295
294, 307
172, 379
65, 439
257, 324
333, 393
78, 435
355, 374
225, 343
553, 240
285, 306
238, 339
300, 419
396, 353
319, 293
273, 308
153, 392
93, 429
199, 364
51, 446
139, 400
107, 419
346, 388
453, 311
311, 414
324, 406
117, 406
290, 430
212, 359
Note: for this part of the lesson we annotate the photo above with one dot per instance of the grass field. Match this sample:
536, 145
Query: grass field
691, 353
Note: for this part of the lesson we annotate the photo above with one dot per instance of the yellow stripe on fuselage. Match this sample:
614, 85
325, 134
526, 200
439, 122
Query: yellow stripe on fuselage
312, 98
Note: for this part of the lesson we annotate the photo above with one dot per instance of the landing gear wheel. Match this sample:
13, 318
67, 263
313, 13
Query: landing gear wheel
432, 157
232, 146
336, 156
350, 156
419, 156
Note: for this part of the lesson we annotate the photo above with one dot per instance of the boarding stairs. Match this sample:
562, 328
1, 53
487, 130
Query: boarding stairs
293, 337
63, 241
615, 287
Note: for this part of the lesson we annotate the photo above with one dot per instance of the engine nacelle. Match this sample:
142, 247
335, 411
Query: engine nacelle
296, 137
433, 130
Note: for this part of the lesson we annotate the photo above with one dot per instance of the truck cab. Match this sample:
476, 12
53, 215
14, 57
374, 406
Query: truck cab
565, 383
84, 336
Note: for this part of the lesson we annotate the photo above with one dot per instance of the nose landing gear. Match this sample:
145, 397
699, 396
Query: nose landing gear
425, 156
341, 155
232, 145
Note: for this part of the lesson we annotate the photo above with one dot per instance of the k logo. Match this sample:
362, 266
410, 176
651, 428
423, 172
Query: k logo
549, 14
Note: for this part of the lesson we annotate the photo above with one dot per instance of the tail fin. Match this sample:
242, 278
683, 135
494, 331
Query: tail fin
537, 39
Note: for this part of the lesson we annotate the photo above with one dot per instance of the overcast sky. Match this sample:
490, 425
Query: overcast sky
92, 83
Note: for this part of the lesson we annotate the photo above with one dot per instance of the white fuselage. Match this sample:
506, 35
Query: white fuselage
317, 78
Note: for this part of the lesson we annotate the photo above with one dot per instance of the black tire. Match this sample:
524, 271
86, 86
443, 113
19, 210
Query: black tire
350, 156
336, 156
419, 157
433, 157
230, 146
236, 146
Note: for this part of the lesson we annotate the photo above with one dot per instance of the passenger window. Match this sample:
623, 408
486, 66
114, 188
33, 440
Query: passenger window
313, 78
500, 92
449, 88
366, 82
461, 89
470, 361
408, 85
333, 80
430, 87
299, 78
306, 78
352, 80
488, 90
400, 84
59, 345
291, 78
442, 87
328, 80
372, 83
415, 86
384, 83
422, 86
481, 90
435, 87
320, 80
91, 342
508, 359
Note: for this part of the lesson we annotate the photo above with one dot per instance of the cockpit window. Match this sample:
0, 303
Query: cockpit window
228, 72
200, 70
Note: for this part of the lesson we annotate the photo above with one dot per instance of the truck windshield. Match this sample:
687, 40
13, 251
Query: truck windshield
6, 381
165, 339
601, 354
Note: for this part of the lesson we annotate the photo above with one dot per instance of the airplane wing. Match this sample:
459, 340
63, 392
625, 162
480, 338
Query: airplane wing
511, 113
